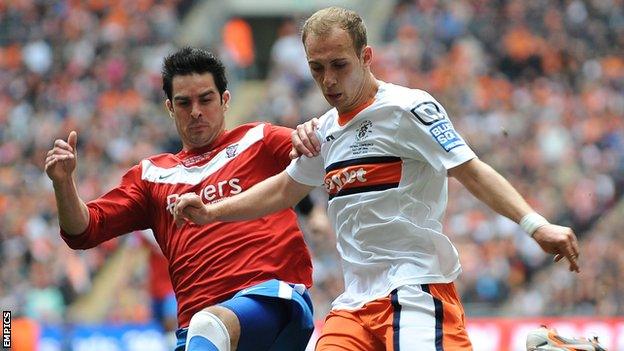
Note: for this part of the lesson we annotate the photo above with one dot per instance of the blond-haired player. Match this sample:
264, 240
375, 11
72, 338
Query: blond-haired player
384, 158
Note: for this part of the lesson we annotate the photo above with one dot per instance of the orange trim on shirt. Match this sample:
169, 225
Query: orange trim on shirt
362, 175
344, 118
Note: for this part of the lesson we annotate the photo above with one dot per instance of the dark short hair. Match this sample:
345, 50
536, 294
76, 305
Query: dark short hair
189, 60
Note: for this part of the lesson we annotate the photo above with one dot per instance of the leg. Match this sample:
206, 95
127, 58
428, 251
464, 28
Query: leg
261, 319
451, 312
256, 319
343, 331
214, 328
427, 318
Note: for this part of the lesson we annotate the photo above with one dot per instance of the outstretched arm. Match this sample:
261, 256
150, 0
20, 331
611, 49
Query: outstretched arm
60, 165
490, 187
271, 195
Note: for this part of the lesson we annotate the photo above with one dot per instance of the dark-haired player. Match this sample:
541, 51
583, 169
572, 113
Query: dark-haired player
239, 286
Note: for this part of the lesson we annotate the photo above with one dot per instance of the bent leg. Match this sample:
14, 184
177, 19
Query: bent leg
343, 331
429, 317
261, 320
213, 329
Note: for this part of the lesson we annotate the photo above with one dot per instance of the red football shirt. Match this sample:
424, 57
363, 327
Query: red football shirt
210, 263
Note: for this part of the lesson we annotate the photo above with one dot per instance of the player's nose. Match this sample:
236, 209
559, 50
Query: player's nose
196, 111
329, 80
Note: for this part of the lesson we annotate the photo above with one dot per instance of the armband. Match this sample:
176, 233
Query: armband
531, 222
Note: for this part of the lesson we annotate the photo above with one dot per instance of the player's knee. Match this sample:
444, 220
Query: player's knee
206, 332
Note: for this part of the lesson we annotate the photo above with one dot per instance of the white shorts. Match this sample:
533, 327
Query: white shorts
426, 317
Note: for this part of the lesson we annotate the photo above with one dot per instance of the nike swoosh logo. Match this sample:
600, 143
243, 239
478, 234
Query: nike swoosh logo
248, 290
161, 177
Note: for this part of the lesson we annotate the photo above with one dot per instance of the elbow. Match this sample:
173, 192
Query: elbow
466, 169
79, 246
77, 242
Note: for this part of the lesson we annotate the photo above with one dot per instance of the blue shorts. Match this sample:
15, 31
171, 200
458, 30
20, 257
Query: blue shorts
274, 316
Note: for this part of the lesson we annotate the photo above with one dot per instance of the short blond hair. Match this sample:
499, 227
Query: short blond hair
323, 21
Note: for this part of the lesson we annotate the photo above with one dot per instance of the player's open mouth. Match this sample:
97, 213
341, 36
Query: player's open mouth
334, 96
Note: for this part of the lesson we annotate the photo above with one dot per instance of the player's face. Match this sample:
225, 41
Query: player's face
337, 69
198, 109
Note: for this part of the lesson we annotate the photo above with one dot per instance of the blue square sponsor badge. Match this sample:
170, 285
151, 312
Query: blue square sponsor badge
445, 135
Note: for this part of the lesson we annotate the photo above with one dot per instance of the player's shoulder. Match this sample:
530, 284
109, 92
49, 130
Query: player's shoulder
149, 164
247, 126
403, 97
164, 160
241, 130
415, 103
327, 119
261, 126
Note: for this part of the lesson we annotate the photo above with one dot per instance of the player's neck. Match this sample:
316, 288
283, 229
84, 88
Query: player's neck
187, 149
365, 97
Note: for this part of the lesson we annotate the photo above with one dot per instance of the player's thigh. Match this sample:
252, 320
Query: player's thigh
260, 320
343, 332
430, 318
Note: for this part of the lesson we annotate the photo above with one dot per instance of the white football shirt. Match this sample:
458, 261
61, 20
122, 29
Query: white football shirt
386, 174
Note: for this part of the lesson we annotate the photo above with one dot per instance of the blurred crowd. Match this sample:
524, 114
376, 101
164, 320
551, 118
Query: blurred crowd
536, 88
93, 66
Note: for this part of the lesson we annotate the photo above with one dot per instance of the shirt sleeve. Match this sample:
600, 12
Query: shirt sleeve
120, 211
278, 140
426, 132
307, 170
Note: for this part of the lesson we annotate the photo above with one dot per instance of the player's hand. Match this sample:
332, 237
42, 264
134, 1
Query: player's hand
60, 162
190, 208
304, 140
559, 241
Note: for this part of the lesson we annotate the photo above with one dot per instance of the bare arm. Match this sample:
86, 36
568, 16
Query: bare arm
271, 195
72, 211
490, 187
495, 191
60, 165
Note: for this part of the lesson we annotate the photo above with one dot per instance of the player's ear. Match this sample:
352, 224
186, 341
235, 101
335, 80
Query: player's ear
367, 55
169, 107
226, 100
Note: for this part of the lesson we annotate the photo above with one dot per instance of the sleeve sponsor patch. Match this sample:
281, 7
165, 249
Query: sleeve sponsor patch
428, 113
445, 135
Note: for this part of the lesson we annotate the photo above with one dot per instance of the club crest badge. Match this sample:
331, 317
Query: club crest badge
230, 151
363, 130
